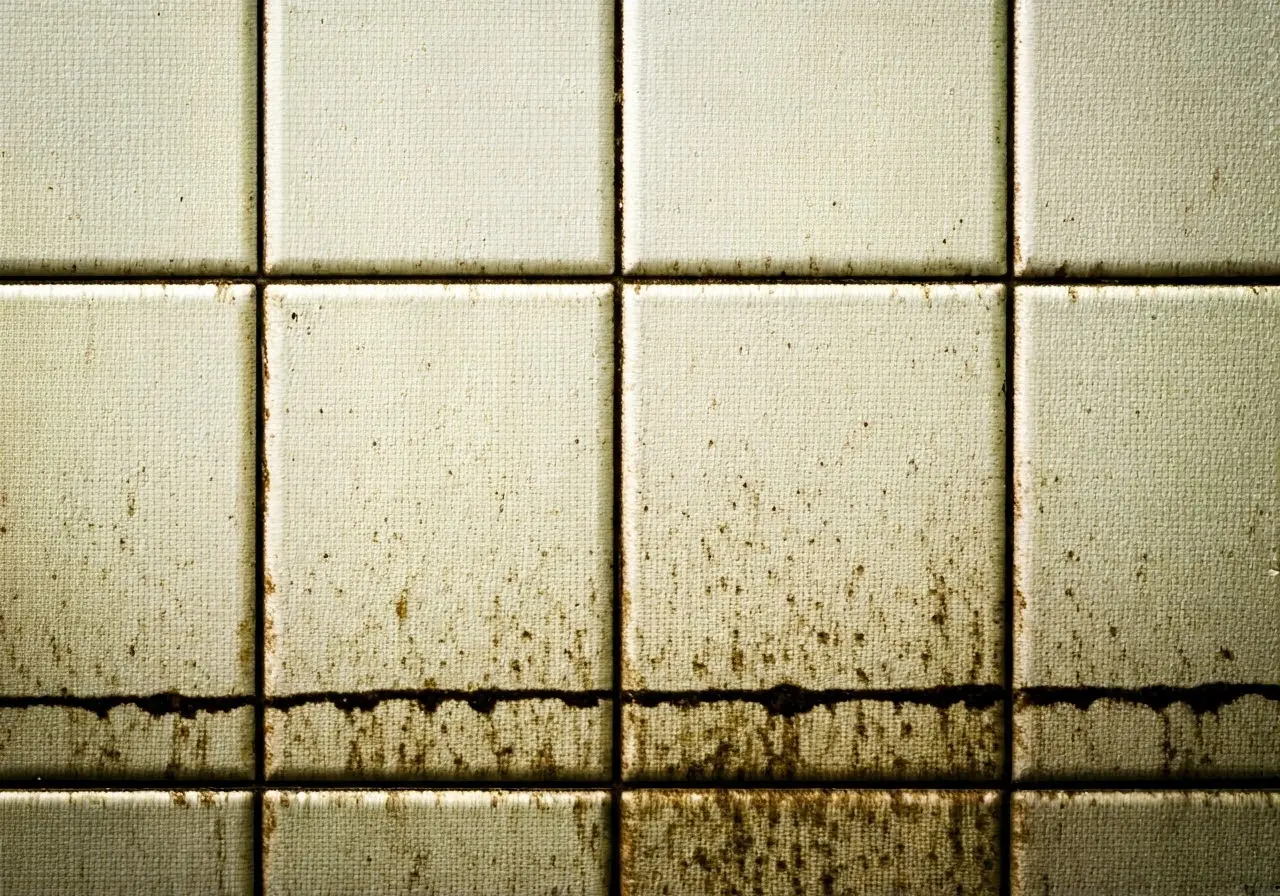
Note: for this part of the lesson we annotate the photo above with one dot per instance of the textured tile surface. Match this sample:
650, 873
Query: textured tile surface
406, 137
823, 137
439, 503
1146, 532
775, 842
1160, 844
1146, 141
126, 514
128, 138
813, 498
125, 843
436, 843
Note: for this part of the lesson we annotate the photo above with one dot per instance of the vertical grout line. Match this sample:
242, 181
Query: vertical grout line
1010, 191
259, 657
615, 807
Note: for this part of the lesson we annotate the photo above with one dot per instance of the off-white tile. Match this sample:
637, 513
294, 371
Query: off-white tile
795, 841
129, 136
1159, 844
124, 843
813, 497
1146, 138
126, 505
440, 492
1146, 530
406, 137
818, 137
466, 842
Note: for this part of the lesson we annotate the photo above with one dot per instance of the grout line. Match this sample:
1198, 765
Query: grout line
260, 469
1010, 191
616, 782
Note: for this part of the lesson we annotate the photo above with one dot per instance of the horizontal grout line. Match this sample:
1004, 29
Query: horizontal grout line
153, 704
482, 700
1201, 698
789, 700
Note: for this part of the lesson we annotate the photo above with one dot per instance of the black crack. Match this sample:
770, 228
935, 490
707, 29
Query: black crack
483, 700
1200, 698
157, 705
789, 700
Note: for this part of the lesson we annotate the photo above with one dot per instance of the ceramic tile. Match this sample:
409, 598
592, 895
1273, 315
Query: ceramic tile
1111, 844
794, 841
439, 517
462, 842
129, 137
126, 843
813, 523
1146, 142
823, 137
1146, 531
126, 528
406, 137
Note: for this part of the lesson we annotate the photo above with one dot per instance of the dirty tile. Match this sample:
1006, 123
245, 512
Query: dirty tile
567, 738
1146, 142
816, 138
813, 530
461, 842
439, 519
124, 843
404, 137
129, 137
126, 528
1160, 844
1146, 532
795, 841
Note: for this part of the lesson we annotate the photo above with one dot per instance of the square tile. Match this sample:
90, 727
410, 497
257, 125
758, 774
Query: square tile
795, 841
124, 843
405, 137
127, 529
1145, 140
439, 529
813, 507
815, 138
129, 139
1146, 531
461, 842
1158, 844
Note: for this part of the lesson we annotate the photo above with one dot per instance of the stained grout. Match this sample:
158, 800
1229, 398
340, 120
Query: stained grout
260, 471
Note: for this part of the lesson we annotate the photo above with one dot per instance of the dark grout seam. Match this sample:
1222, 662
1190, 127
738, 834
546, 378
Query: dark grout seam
787, 700
1010, 501
616, 722
1200, 699
261, 473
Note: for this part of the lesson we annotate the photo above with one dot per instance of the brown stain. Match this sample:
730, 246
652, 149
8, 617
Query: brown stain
402, 605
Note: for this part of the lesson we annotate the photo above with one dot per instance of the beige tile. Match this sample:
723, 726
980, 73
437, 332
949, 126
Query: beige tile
690, 843
1146, 140
125, 843
408, 138
1115, 844
403, 739
464, 842
440, 492
1146, 530
833, 138
129, 137
813, 498
127, 741
126, 508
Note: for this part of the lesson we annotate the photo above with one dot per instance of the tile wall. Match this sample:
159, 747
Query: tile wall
640, 447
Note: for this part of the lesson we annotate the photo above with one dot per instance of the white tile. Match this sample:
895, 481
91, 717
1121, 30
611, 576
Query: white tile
476, 842
126, 843
407, 137
129, 137
798, 841
1146, 138
1158, 844
1146, 528
126, 512
819, 137
813, 494
440, 491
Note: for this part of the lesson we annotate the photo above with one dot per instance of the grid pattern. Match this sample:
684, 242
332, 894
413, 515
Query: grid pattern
1260, 778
